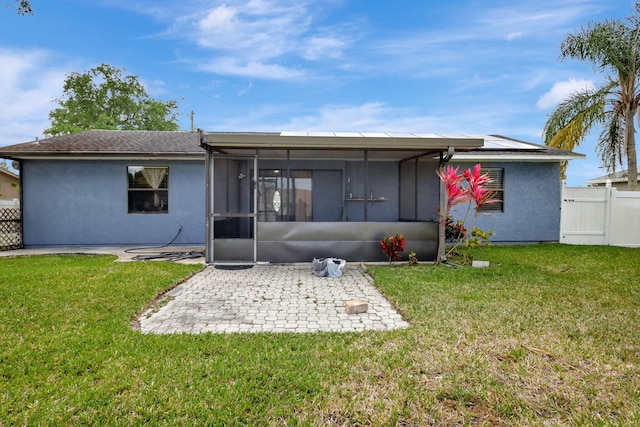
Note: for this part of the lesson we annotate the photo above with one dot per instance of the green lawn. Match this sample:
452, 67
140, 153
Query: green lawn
548, 335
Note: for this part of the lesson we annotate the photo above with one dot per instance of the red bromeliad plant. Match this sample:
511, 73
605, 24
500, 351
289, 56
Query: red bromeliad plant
455, 193
392, 246
466, 187
480, 195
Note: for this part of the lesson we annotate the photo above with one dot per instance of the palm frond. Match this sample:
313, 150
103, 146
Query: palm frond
611, 144
611, 45
572, 121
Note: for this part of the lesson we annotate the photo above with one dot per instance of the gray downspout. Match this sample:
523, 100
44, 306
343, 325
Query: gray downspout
21, 231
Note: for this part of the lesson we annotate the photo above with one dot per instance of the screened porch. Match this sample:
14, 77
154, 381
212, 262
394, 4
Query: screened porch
275, 197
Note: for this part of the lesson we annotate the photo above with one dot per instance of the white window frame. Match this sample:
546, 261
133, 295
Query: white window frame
161, 204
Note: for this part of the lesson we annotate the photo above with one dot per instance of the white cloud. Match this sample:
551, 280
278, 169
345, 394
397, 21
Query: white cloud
154, 87
257, 69
538, 18
366, 117
476, 38
514, 35
245, 90
271, 38
380, 117
561, 91
342, 118
28, 84
249, 29
317, 48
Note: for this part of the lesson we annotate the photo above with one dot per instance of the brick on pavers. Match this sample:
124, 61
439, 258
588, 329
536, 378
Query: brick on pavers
356, 306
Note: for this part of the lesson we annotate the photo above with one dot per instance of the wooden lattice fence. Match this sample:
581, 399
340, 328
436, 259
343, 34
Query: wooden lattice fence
10, 229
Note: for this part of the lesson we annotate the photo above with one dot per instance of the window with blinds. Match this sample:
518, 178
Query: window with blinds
497, 185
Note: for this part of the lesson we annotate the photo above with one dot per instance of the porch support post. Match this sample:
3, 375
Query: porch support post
254, 189
366, 185
441, 224
443, 206
209, 201
289, 181
415, 188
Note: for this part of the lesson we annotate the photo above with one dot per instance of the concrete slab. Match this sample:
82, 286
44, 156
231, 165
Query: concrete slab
182, 254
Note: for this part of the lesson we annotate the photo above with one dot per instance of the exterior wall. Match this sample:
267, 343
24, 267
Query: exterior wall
532, 196
81, 203
392, 185
382, 182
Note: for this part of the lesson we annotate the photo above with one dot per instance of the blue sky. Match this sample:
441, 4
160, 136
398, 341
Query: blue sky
458, 66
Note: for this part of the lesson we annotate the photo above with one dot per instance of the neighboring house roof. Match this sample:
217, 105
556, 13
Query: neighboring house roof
622, 176
7, 172
114, 144
9, 184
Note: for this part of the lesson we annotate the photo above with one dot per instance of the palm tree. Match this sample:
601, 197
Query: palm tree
612, 46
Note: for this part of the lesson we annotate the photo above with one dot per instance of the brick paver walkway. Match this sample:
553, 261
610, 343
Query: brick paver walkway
270, 298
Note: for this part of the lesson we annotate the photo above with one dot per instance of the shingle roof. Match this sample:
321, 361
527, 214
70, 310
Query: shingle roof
110, 143
621, 176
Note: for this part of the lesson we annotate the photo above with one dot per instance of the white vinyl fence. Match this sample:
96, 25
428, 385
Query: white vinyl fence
600, 216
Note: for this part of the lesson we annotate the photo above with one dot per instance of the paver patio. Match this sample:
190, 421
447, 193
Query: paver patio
270, 298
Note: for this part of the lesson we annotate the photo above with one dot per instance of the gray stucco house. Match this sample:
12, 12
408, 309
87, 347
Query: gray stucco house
314, 194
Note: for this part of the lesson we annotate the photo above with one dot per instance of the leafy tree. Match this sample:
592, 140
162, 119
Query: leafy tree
612, 47
105, 98
23, 7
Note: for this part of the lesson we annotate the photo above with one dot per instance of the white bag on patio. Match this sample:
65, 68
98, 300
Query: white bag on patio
328, 267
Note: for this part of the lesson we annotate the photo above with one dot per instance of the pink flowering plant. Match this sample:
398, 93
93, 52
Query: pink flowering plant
468, 187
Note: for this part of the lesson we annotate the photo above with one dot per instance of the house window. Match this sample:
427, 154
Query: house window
148, 189
282, 198
497, 185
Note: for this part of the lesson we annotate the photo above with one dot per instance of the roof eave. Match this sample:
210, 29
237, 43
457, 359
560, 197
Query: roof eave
529, 157
100, 156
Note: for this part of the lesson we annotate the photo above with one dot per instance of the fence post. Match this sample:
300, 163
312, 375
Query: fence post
607, 213
563, 215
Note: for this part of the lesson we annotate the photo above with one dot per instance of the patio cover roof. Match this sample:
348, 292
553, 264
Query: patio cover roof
230, 141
